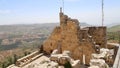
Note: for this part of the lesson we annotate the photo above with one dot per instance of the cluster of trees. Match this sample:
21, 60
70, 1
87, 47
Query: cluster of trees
9, 61
26, 48
10, 47
26, 44
12, 60
114, 36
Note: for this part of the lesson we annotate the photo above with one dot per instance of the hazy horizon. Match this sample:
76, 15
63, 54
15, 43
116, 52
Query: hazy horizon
36, 11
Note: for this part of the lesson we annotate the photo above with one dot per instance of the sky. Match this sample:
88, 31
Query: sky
47, 11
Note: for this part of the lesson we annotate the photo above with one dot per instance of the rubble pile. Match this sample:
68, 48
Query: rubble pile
64, 58
99, 60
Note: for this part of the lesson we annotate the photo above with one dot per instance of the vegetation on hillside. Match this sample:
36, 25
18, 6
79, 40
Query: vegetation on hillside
113, 34
17, 41
114, 28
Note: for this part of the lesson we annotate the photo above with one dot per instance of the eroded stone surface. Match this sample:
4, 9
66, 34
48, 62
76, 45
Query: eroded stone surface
69, 36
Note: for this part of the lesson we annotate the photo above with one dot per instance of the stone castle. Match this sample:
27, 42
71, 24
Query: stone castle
79, 41
81, 47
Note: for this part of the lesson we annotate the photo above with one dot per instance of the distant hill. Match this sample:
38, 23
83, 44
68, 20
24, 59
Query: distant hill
84, 24
20, 29
114, 28
112, 24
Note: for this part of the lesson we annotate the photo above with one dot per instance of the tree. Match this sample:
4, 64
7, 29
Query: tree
15, 58
3, 65
67, 65
10, 60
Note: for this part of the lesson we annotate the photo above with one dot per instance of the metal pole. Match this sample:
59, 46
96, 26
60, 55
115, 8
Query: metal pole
119, 37
102, 12
63, 5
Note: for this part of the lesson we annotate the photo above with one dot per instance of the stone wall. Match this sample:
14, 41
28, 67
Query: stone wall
51, 43
99, 35
69, 36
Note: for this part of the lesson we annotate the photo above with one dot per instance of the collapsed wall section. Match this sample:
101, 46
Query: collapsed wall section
99, 35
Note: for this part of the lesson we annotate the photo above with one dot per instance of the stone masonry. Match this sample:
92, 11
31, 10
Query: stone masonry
69, 36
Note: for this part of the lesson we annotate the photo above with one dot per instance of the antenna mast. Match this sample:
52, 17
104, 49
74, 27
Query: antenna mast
102, 12
63, 5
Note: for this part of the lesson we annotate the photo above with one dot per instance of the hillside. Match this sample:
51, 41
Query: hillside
23, 38
114, 28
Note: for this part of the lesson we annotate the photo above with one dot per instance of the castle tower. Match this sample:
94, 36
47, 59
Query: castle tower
63, 18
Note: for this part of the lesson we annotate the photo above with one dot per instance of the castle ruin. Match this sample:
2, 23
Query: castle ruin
79, 41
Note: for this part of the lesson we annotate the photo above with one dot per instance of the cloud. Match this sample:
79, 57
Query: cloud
5, 11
